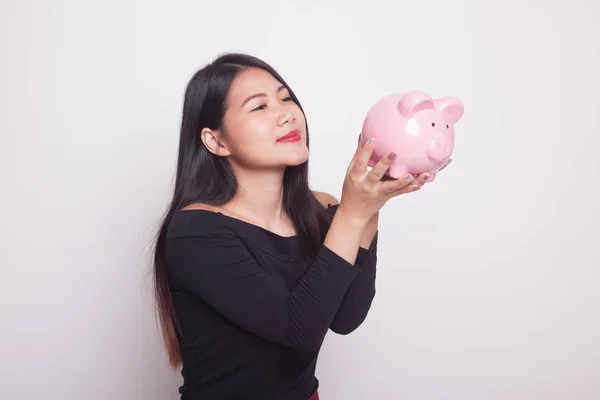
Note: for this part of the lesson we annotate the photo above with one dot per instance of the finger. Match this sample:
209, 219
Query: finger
422, 178
395, 185
419, 181
358, 148
415, 184
411, 188
363, 157
378, 171
354, 156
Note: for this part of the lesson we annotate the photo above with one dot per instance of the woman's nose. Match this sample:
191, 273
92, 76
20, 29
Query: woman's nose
286, 116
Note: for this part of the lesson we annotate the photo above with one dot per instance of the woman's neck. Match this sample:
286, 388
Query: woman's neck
259, 199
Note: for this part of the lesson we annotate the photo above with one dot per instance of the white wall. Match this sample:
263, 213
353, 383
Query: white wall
488, 282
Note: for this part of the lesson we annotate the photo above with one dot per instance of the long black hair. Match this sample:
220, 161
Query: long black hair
203, 177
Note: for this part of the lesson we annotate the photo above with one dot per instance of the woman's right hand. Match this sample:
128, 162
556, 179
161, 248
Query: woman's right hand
365, 192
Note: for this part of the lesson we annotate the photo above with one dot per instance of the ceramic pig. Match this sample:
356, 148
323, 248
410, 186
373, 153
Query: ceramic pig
419, 129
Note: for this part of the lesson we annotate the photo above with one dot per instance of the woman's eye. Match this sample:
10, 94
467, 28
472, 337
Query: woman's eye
263, 106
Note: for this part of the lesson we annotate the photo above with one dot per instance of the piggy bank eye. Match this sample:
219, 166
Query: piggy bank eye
447, 127
433, 124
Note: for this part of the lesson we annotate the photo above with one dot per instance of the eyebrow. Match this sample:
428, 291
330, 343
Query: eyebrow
282, 87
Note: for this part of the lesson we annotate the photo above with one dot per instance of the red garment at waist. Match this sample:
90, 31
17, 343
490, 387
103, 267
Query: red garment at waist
314, 396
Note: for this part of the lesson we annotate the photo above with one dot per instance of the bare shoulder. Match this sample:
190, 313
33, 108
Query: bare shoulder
201, 206
325, 198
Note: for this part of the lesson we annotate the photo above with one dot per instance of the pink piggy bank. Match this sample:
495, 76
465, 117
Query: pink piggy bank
419, 129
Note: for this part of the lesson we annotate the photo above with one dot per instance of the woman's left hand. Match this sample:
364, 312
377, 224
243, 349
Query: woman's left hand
419, 181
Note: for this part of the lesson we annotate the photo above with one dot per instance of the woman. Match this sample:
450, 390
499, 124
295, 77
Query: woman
252, 268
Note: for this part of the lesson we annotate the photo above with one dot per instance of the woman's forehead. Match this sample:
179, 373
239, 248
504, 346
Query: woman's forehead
251, 82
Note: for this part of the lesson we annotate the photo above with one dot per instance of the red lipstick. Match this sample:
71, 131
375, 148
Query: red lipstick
292, 136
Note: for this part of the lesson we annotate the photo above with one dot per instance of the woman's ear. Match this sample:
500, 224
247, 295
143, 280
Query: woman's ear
214, 143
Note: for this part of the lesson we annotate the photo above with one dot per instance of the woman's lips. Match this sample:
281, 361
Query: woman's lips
292, 136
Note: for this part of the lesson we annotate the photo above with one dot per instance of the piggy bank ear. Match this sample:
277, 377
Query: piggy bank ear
413, 102
451, 106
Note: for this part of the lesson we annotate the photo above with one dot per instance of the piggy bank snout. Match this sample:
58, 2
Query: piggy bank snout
439, 147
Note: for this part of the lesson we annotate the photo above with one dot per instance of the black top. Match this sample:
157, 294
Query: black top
253, 315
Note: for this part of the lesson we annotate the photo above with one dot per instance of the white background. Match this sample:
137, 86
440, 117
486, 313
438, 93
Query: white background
488, 278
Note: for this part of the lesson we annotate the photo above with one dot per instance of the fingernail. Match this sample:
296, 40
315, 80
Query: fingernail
372, 141
416, 188
409, 179
391, 156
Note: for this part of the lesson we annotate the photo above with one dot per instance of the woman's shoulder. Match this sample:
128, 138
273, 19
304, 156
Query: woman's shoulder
327, 200
198, 219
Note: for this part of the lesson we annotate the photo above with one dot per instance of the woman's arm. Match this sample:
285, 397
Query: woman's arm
370, 232
215, 265
357, 302
371, 229
358, 299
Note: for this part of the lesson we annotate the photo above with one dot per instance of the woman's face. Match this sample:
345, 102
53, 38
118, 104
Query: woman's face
260, 115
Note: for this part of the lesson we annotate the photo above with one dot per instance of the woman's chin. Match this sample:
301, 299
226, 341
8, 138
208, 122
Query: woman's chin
298, 158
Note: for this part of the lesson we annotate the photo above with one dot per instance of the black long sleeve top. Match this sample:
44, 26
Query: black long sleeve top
252, 315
